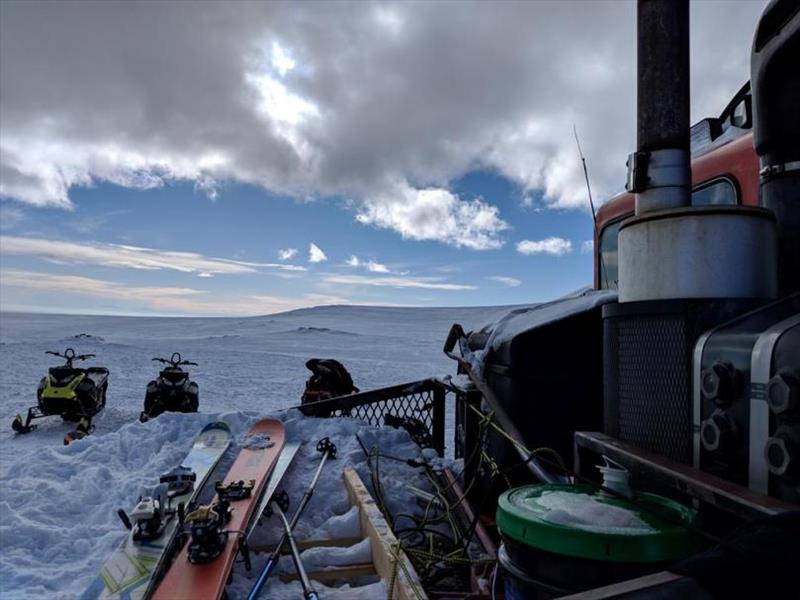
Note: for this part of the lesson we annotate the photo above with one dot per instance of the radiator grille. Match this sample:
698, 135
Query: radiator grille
654, 392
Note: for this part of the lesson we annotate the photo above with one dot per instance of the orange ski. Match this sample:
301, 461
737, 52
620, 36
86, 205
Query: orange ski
202, 567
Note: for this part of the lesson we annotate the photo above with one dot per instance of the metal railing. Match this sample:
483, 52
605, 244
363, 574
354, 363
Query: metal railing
418, 407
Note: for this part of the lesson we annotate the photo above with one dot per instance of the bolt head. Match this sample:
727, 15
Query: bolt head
717, 432
710, 435
782, 394
781, 455
718, 383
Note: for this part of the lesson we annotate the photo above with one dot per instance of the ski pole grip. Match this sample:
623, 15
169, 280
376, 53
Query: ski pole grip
326, 445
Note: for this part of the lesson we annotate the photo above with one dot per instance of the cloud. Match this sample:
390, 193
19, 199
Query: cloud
287, 253
553, 245
132, 257
133, 93
428, 283
435, 214
166, 300
370, 265
507, 281
10, 216
587, 246
315, 254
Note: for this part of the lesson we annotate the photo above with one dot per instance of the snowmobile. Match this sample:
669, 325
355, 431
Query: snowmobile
172, 391
329, 379
74, 393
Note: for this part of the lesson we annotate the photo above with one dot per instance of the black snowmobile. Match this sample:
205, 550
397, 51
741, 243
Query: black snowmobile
74, 393
329, 379
173, 391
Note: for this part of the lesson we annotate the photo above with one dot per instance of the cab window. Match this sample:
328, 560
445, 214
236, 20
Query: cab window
721, 191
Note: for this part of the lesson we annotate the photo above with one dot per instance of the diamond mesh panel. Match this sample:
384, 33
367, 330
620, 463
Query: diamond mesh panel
653, 384
418, 406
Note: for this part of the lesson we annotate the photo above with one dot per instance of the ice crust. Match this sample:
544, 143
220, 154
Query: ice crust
591, 513
58, 504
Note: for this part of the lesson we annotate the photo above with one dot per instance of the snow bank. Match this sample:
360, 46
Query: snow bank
58, 520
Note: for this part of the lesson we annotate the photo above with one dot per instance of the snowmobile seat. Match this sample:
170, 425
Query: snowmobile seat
63, 375
174, 375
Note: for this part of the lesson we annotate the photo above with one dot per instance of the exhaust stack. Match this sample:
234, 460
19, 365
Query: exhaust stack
775, 77
671, 250
659, 171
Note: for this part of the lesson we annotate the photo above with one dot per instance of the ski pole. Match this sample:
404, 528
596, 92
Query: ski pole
281, 504
328, 449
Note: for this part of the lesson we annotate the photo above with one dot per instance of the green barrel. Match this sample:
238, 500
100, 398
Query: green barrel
567, 538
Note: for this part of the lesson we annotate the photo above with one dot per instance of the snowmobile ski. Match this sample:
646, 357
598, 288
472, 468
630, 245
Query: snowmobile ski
129, 572
328, 450
217, 531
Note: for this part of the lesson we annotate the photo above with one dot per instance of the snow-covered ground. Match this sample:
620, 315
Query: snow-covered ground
58, 504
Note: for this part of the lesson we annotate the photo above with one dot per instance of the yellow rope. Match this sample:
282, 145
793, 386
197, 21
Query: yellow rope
395, 551
518, 444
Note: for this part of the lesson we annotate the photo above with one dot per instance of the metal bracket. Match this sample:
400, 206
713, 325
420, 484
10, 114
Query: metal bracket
637, 172
771, 171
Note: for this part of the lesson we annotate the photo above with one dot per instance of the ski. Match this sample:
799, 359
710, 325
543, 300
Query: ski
217, 531
284, 461
130, 569
328, 450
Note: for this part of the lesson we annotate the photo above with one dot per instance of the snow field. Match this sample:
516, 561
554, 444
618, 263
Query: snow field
58, 504
54, 543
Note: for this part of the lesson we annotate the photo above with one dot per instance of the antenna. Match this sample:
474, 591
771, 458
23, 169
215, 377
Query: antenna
591, 202
585, 172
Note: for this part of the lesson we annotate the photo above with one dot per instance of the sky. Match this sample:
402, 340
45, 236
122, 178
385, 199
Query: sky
208, 158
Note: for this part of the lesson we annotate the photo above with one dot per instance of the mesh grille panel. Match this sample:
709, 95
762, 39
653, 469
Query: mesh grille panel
418, 406
653, 384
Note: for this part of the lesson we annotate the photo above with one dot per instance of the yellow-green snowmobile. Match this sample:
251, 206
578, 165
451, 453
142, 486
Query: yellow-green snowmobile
73, 393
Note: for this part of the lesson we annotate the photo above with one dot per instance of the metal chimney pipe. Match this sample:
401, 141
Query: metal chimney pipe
670, 249
775, 77
659, 172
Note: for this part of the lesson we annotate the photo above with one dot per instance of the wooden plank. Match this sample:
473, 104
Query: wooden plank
342, 542
331, 574
383, 543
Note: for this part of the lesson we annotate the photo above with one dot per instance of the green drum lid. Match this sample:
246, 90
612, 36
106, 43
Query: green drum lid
579, 521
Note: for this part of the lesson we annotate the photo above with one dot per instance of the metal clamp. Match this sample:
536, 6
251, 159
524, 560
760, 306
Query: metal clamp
637, 172
771, 171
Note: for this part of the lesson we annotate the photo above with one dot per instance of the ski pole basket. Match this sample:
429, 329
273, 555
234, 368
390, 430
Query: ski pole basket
418, 407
